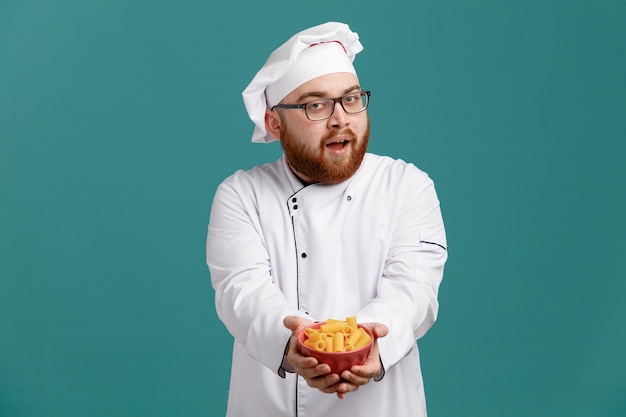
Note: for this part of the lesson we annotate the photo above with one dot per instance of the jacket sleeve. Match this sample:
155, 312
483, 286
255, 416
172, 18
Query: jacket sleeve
406, 299
247, 301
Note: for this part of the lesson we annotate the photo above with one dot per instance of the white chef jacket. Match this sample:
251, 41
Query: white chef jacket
373, 246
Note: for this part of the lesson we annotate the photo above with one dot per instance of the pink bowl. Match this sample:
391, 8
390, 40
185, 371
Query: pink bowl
338, 361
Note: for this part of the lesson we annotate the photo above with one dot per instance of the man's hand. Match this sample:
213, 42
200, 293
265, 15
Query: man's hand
359, 375
318, 375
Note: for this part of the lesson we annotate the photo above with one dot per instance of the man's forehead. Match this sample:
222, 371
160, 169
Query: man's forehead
329, 85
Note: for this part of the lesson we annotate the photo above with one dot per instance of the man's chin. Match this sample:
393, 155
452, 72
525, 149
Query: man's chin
335, 171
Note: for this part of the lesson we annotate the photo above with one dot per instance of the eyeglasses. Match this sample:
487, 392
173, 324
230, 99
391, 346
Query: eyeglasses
323, 108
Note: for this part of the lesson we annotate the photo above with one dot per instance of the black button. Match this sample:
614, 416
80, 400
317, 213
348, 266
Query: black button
304, 254
349, 198
294, 199
295, 207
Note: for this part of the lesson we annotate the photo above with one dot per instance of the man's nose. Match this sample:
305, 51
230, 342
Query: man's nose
339, 118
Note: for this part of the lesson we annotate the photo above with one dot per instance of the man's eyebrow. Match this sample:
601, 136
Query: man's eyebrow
323, 94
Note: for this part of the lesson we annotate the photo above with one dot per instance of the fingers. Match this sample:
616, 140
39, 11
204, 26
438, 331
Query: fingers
295, 323
318, 375
307, 366
378, 329
362, 374
358, 378
344, 387
292, 323
331, 384
322, 380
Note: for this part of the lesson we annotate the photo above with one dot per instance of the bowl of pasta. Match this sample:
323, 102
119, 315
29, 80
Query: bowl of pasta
338, 343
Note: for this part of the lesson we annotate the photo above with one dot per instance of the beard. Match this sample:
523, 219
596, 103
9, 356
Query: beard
316, 164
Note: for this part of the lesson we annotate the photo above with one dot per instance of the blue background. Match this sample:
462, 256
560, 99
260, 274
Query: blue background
118, 119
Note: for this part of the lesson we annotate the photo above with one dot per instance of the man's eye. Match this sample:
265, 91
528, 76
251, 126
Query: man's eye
352, 99
317, 105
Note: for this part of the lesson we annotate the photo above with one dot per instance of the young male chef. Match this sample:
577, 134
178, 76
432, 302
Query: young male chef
326, 231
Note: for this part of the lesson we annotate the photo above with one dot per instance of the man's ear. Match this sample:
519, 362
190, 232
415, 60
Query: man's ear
272, 124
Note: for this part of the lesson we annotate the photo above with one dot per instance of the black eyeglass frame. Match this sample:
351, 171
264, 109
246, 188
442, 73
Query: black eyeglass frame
303, 106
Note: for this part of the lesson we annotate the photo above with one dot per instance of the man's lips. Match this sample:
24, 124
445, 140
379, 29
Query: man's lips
337, 144
339, 141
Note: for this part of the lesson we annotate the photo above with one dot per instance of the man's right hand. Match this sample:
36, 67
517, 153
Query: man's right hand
317, 375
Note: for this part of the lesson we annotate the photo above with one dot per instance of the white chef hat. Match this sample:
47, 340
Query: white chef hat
320, 50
